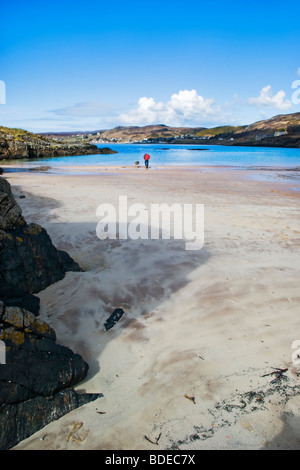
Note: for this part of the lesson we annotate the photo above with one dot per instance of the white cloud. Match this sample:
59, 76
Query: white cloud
267, 99
183, 107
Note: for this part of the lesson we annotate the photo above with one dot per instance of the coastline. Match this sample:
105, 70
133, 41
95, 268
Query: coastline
205, 325
217, 156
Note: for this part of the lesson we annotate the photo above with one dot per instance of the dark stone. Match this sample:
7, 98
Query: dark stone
30, 261
106, 151
10, 213
27, 302
1, 171
35, 364
14, 296
113, 318
37, 378
9, 291
17, 422
67, 262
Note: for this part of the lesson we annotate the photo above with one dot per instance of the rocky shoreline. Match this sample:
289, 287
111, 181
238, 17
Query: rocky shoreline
37, 375
20, 144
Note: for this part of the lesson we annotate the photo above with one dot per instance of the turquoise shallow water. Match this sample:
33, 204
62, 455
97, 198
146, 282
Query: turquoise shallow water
178, 155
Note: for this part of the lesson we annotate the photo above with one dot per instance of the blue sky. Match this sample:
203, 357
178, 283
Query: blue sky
95, 65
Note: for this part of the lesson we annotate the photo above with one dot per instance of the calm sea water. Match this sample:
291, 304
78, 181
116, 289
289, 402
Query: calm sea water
178, 155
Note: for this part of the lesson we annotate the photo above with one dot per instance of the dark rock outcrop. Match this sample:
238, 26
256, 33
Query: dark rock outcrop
29, 262
17, 422
17, 297
10, 213
37, 378
113, 318
18, 144
35, 364
37, 375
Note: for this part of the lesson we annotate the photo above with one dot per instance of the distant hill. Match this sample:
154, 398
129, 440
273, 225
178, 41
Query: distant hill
279, 131
131, 134
154, 132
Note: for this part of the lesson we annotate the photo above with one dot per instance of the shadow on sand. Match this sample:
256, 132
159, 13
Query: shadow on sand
289, 436
135, 275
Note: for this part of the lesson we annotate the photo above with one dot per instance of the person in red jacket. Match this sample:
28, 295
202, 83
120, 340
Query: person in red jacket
146, 158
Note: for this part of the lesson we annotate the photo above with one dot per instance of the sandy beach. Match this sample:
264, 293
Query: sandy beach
186, 366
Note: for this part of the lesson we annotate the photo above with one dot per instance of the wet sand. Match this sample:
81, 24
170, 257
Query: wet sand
186, 364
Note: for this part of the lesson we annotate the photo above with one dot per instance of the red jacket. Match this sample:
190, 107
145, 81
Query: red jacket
146, 157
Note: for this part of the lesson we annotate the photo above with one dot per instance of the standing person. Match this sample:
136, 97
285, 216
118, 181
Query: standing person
146, 158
